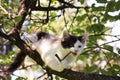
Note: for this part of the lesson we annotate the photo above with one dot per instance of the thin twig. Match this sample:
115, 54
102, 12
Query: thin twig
67, 3
109, 42
65, 21
47, 19
51, 8
74, 18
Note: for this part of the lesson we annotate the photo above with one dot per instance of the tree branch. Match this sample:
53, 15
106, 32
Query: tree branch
67, 4
5, 36
25, 5
51, 8
70, 75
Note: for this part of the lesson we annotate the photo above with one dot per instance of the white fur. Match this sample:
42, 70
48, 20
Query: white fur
48, 48
70, 59
76, 47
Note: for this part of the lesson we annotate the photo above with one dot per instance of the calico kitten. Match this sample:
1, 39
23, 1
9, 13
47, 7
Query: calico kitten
57, 53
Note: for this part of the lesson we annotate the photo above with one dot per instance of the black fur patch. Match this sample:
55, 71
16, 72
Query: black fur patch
43, 35
70, 41
66, 43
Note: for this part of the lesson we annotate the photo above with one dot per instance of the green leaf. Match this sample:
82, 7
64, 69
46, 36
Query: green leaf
111, 6
116, 67
53, 14
57, 78
81, 18
101, 1
90, 69
96, 28
77, 31
111, 71
81, 1
117, 6
104, 72
95, 56
108, 47
119, 51
17, 19
109, 55
53, 1
111, 18
117, 58
82, 58
101, 8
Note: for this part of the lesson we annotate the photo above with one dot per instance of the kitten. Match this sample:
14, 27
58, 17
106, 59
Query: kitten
57, 53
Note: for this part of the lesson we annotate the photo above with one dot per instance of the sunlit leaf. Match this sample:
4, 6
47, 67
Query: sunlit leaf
95, 57
81, 1
82, 58
53, 1
53, 14
81, 18
17, 19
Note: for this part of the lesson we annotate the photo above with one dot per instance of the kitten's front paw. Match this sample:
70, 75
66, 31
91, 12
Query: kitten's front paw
65, 64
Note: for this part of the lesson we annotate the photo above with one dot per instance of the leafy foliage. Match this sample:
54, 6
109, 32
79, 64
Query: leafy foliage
97, 58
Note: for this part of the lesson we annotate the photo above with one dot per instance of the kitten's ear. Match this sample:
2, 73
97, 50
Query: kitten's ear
66, 34
85, 37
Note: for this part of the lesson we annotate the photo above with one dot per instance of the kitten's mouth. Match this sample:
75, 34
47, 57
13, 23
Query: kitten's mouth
74, 53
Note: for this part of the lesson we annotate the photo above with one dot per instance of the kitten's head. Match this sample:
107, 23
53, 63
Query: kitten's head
74, 43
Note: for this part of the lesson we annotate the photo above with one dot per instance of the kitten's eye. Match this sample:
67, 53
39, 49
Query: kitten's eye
79, 46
